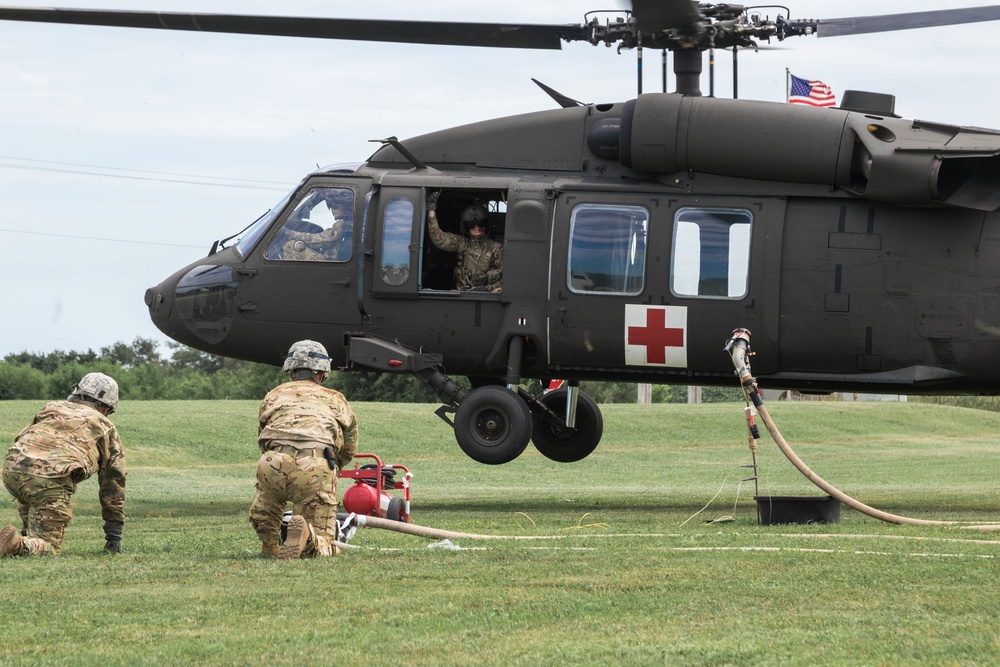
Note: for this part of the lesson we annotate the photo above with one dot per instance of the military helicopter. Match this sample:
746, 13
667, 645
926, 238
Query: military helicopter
861, 254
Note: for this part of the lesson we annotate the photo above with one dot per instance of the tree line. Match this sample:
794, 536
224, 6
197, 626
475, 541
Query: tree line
143, 373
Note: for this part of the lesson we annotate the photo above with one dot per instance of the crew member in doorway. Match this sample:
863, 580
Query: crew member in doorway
479, 263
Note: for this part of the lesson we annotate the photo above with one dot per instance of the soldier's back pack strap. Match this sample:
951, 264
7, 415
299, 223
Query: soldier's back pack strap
330, 454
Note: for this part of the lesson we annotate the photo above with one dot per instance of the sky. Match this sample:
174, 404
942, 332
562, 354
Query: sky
124, 153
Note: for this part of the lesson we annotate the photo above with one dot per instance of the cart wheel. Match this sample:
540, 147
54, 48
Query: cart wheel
396, 510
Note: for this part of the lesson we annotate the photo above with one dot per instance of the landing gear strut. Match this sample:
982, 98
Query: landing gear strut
494, 423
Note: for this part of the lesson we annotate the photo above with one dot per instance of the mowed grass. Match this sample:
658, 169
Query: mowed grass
624, 568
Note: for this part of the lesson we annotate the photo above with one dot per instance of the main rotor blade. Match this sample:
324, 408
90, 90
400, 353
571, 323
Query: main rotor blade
858, 25
503, 35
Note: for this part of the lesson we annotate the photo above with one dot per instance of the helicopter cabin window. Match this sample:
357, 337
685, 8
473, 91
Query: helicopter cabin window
607, 249
711, 253
319, 229
396, 232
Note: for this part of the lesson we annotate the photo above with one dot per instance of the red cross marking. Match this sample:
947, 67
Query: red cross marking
656, 336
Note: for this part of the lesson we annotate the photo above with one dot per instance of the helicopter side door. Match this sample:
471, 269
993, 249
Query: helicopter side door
651, 286
409, 286
305, 269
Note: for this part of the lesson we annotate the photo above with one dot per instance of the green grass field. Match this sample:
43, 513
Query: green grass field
629, 571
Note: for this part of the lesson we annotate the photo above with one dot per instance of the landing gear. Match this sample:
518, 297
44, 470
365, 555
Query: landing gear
559, 442
493, 425
494, 422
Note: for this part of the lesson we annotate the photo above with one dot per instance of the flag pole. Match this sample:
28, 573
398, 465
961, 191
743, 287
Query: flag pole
788, 88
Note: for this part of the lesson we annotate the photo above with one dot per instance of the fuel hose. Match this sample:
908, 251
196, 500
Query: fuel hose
738, 346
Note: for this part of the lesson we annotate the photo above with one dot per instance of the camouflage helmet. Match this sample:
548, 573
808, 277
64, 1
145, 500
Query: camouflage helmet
307, 354
97, 387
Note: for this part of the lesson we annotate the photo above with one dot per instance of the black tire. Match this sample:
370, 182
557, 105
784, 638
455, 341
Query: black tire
396, 511
493, 425
562, 444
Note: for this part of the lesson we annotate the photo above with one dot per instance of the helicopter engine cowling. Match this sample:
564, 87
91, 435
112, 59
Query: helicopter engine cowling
881, 158
666, 134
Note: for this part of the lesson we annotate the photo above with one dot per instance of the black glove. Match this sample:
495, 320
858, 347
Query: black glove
432, 200
112, 537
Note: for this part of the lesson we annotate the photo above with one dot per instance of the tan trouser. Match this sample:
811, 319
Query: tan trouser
45, 507
302, 478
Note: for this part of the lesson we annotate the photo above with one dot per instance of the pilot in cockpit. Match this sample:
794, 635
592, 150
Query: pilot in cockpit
319, 229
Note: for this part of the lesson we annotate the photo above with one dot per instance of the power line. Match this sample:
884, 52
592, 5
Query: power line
141, 171
97, 238
243, 183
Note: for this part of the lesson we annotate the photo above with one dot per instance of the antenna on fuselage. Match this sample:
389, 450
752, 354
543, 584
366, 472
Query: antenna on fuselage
394, 142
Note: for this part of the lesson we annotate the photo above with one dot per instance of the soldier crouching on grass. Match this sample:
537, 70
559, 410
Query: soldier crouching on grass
66, 443
306, 432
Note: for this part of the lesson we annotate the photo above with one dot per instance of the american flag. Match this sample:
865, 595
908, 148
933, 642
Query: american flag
812, 93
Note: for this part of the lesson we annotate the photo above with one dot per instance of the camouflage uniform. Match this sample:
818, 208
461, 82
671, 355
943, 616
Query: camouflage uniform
65, 443
480, 261
297, 421
321, 246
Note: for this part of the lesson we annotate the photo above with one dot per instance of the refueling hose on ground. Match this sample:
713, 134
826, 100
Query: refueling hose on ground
738, 346
362, 521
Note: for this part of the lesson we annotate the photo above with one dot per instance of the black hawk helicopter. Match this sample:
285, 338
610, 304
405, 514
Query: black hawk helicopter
862, 253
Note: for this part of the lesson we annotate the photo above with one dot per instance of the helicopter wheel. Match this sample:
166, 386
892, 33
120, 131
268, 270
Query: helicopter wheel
493, 425
554, 440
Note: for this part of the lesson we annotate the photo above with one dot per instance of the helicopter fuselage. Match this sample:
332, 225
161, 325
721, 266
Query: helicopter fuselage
862, 251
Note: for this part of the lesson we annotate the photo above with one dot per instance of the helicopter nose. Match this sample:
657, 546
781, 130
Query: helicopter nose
149, 297
196, 305
158, 300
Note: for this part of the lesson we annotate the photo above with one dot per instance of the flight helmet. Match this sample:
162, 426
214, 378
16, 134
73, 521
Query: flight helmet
474, 213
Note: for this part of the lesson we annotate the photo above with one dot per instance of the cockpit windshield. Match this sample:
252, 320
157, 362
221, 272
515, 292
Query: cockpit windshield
319, 229
249, 237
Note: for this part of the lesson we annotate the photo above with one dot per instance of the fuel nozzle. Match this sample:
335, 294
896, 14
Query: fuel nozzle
738, 348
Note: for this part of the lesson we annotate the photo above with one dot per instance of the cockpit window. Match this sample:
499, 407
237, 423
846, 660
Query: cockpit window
249, 237
319, 229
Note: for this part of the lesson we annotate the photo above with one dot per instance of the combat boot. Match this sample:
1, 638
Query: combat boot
269, 550
296, 539
325, 546
11, 543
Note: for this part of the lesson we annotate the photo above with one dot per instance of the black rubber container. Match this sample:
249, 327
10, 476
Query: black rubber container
773, 510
